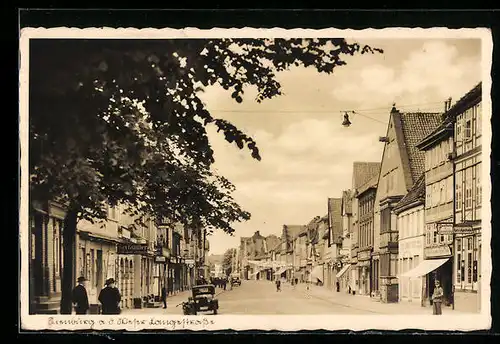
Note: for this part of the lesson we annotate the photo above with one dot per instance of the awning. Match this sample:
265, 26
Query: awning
317, 272
343, 270
424, 267
282, 269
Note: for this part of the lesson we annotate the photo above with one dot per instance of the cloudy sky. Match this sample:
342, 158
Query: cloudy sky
307, 155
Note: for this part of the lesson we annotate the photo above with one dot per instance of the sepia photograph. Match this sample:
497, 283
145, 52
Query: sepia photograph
255, 179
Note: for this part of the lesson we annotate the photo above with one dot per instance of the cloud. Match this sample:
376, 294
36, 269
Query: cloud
307, 156
431, 73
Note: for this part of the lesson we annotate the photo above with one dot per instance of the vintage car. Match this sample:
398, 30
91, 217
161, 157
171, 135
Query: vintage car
202, 300
235, 280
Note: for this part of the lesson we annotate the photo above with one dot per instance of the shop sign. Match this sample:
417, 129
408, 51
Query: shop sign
444, 228
464, 229
160, 259
132, 249
189, 261
437, 251
364, 255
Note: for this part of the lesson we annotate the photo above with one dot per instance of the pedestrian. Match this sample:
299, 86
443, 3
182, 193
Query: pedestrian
80, 298
164, 296
296, 281
278, 285
224, 283
437, 298
110, 298
338, 286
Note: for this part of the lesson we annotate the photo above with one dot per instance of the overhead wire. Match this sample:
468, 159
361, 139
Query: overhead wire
360, 112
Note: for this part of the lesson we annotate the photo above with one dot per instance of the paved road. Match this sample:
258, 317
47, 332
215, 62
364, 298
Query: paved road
261, 297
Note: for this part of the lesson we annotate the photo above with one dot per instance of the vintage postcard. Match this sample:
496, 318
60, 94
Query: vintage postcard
255, 179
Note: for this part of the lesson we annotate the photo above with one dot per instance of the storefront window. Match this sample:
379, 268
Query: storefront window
459, 269
478, 185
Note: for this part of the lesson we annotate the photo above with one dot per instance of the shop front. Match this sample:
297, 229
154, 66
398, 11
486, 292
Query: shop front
364, 273
174, 277
437, 266
467, 276
46, 257
411, 253
343, 277
96, 260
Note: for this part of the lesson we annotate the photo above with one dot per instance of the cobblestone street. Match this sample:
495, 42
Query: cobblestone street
261, 297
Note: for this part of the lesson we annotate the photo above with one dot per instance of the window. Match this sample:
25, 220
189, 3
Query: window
468, 130
434, 236
469, 267
479, 121
435, 194
458, 190
449, 189
428, 196
442, 191
468, 188
479, 190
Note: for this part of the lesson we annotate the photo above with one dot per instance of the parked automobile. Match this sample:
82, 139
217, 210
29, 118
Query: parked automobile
235, 281
202, 300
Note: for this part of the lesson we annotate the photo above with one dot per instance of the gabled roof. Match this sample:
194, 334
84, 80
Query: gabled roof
290, 232
413, 127
470, 98
363, 171
372, 183
446, 128
347, 201
415, 194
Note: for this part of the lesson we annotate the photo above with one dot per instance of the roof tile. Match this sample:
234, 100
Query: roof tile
363, 172
416, 126
417, 192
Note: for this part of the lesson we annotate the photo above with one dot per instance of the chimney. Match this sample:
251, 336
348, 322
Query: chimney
449, 103
394, 110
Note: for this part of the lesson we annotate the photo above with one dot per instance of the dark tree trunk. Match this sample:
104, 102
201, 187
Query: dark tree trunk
68, 278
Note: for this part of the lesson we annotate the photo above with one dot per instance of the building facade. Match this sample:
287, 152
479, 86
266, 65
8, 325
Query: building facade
468, 173
411, 228
402, 164
367, 269
439, 198
364, 185
46, 257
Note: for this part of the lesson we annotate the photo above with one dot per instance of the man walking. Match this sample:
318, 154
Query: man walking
110, 297
80, 297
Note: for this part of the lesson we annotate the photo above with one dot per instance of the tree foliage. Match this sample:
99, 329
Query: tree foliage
227, 260
122, 121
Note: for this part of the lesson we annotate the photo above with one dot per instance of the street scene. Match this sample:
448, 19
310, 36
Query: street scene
261, 298
243, 176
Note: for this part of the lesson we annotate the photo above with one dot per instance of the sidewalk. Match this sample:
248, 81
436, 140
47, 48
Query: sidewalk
365, 303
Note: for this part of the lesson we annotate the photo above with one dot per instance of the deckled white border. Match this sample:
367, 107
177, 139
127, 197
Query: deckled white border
455, 322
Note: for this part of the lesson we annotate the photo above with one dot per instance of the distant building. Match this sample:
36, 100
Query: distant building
364, 270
